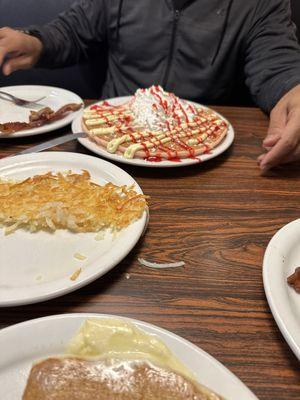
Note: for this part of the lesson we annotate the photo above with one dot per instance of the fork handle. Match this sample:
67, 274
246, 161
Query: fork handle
10, 96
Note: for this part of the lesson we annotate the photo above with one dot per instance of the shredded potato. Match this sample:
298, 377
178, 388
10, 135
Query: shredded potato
75, 275
67, 201
79, 256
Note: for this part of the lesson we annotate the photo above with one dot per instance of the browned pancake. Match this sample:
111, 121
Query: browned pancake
78, 379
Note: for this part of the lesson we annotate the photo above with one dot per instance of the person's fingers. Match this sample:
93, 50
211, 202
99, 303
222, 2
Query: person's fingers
271, 140
277, 125
286, 146
277, 154
10, 39
260, 158
295, 156
7, 48
16, 63
4, 31
3, 53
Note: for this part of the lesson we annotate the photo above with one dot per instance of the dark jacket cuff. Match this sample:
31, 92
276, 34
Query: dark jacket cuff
274, 90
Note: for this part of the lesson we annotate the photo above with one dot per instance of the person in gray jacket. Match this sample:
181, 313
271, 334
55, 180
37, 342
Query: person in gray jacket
194, 48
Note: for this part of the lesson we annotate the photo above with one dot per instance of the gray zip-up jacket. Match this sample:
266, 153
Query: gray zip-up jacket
199, 52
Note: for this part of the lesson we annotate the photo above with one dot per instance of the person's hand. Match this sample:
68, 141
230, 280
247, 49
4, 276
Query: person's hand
282, 143
18, 50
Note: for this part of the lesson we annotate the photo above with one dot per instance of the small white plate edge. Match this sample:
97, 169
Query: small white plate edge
281, 322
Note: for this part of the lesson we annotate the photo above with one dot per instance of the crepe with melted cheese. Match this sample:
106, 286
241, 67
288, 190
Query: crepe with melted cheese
79, 379
111, 359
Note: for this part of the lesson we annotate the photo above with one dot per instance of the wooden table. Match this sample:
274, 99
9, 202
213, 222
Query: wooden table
218, 217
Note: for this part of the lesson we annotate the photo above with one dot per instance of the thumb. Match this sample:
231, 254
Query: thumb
278, 121
16, 63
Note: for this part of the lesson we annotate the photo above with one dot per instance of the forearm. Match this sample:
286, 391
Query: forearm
67, 39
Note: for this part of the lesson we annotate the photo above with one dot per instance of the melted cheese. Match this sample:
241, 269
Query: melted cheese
121, 340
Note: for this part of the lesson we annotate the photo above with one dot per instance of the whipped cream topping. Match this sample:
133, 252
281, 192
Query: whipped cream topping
158, 110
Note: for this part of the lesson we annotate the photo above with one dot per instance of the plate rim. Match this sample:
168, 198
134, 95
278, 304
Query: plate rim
68, 119
282, 323
141, 324
75, 285
142, 163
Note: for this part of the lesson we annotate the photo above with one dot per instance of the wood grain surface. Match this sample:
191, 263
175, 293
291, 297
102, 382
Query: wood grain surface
218, 217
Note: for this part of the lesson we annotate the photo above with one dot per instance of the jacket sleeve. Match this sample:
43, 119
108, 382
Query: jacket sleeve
272, 53
73, 35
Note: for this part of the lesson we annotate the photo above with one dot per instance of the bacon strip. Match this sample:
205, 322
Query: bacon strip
38, 118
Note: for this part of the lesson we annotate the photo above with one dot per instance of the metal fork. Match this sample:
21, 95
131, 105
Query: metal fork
17, 100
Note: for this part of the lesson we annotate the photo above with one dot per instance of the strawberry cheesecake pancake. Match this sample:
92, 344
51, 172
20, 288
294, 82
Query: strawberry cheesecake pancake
154, 125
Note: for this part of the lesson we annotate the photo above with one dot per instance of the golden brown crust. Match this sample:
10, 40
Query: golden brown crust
67, 201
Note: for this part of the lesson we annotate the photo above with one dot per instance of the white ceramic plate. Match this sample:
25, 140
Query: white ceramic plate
281, 258
38, 266
76, 127
55, 98
43, 337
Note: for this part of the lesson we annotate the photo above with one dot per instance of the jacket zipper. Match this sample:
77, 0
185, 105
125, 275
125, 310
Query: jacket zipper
172, 45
